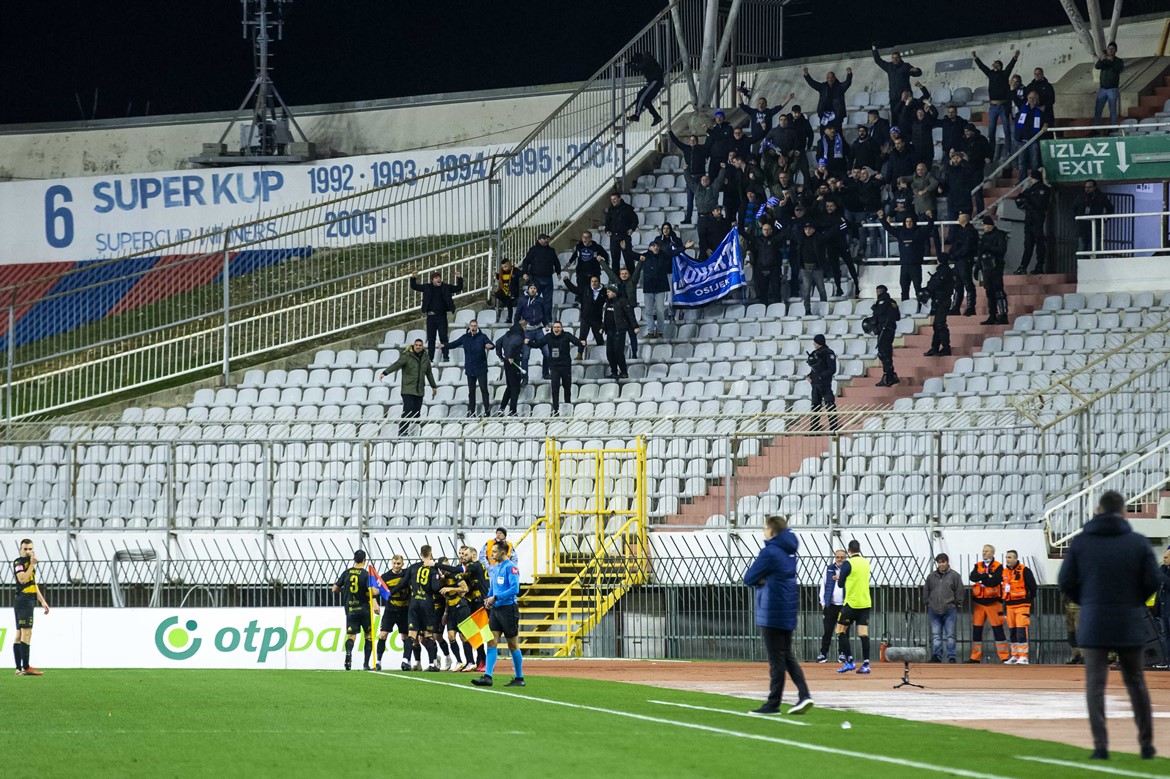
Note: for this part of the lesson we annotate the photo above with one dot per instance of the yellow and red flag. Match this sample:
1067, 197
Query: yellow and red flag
475, 628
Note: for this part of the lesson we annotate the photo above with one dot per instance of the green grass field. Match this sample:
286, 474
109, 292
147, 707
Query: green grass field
325, 723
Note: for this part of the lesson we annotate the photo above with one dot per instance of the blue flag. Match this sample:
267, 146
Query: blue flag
698, 282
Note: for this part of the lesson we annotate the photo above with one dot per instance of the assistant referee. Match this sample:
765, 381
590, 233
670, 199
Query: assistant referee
503, 617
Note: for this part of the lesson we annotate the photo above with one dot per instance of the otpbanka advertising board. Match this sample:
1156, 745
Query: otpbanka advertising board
308, 638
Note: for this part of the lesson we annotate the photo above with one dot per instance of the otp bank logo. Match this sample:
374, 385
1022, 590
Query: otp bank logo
175, 642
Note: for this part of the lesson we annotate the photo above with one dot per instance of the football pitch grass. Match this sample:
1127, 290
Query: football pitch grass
177, 723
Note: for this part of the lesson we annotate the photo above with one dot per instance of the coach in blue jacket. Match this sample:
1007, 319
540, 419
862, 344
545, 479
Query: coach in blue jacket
773, 575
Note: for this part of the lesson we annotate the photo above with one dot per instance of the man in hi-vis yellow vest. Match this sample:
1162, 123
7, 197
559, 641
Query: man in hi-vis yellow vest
854, 578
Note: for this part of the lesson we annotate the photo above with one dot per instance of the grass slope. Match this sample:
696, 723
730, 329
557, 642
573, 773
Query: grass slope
311, 723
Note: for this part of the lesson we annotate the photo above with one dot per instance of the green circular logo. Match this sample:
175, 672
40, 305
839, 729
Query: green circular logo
176, 642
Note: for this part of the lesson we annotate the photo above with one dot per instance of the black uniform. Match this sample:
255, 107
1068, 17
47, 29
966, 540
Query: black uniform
964, 244
992, 249
437, 301
477, 584
26, 594
823, 364
768, 268
941, 288
560, 365
617, 319
422, 582
886, 315
354, 584
1033, 201
395, 607
591, 302
620, 221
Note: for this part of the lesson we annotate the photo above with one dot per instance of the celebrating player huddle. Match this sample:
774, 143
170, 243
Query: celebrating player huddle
417, 601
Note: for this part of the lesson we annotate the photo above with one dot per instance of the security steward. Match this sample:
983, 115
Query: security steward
939, 289
1019, 588
987, 599
990, 256
823, 364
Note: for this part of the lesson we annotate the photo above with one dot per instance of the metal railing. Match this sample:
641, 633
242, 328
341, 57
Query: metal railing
1098, 229
586, 146
1064, 520
198, 306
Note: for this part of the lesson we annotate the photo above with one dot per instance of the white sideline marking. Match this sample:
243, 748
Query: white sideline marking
709, 729
780, 718
1089, 767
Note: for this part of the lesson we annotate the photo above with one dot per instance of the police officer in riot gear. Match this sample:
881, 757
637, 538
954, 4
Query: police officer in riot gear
990, 257
822, 362
1033, 201
884, 323
964, 242
939, 290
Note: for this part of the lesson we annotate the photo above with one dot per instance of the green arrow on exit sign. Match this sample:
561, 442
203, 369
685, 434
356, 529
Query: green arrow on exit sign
1131, 158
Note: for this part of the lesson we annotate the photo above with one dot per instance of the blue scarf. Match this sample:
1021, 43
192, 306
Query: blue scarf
836, 147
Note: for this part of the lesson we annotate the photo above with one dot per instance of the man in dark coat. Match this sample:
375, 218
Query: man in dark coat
898, 74
885, 325
591, 300
1162, 609
620, 221
941, 288
539, 266
912, 238
1092, 203
438, 300
773, 579
712, 231
694, 156
651, 70
530, 309
557, 344
510, 348
822, 363
617, 319
1033, 201
978, 150
587, 257
990, 257
1110, 571
964, 244
474, 345
768, 265
830, 96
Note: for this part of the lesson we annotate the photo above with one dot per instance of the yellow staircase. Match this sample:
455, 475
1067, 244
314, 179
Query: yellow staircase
594, 546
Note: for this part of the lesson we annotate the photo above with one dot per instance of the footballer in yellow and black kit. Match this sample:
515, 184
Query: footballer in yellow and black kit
360, 606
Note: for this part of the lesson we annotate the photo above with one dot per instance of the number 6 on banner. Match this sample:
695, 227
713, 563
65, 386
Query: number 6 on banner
53, 213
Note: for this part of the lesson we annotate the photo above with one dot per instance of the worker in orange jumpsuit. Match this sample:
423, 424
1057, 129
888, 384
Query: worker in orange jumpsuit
987, 605
1019, 588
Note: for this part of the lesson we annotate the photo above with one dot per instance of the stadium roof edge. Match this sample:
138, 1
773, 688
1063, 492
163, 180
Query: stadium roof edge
214, 117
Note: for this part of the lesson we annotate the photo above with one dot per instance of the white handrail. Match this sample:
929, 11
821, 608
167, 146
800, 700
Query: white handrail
1111, 127
1091, 217
1088, 491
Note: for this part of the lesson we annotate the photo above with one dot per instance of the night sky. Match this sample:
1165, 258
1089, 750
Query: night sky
190, 56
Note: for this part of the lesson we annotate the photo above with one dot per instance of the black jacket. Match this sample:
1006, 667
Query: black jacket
898, 75
694, 157
768, 253
1034, 200
712, 232
761, 121
941, 284
510, 345
647, 66
959, 180
823, 365
978, 150
718, 141
831, 97
558, 347
901, 163
886, 312
617, 316
621, 219
590, 304
588, 261
1110, 571
656, 272
438, 299
952, 133
809, 251
866, 153
1093, 204
964, 242
911, 240
540, 262
992, 250
1047, 94
997, 80
879, 130
804, 130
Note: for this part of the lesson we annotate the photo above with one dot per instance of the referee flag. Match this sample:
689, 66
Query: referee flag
475, 629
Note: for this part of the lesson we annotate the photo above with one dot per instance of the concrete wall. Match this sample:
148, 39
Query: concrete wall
149, 144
